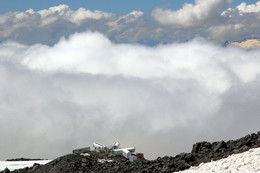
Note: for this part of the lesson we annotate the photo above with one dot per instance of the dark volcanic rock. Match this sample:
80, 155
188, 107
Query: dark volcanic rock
104, 162
23, 159
6, 170
220, 145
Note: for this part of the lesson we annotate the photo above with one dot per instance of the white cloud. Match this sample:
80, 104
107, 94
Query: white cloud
78, 17
202, 19
48, 25
241, 22
126, 60
202, 12
53, 14
205, 19
242, 9
86, 88
128, 18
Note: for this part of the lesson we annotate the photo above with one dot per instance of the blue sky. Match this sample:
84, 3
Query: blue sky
118, 7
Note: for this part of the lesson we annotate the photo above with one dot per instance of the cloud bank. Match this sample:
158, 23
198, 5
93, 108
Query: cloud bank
242, 9
241, 21
212, 20
86, 88
205, 19
48, 25
201, 13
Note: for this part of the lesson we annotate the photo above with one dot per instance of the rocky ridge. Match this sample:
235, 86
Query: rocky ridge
92, 161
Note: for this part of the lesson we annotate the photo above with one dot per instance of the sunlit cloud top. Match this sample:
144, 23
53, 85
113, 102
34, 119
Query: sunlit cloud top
85, 87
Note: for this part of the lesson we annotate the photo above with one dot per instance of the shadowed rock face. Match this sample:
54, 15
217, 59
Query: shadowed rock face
104, 162
246, 44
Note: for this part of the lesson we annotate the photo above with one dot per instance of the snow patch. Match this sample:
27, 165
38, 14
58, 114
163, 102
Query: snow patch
247, 162
12, 165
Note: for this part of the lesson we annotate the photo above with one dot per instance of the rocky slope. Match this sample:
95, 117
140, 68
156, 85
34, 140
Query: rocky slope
100, 162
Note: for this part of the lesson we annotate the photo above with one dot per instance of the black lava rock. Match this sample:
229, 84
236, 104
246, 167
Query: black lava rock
106, 162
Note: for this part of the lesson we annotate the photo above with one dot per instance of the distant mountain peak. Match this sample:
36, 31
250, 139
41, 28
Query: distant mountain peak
248, 43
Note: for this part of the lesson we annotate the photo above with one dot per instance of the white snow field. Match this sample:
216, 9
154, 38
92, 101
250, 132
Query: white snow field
12, 165
247, 162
